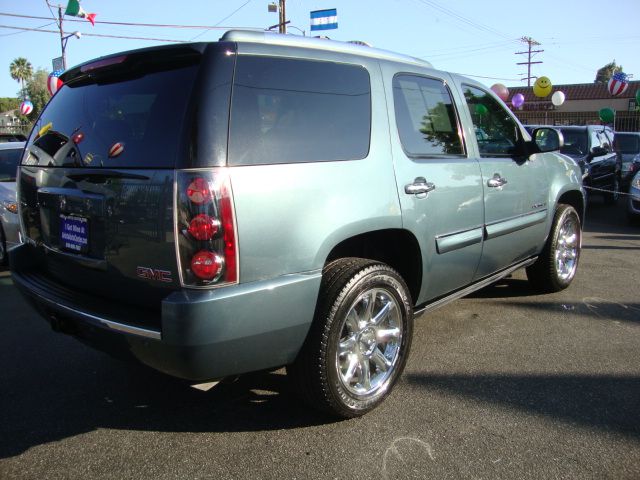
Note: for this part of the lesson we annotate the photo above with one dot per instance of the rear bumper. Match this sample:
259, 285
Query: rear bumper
204, 334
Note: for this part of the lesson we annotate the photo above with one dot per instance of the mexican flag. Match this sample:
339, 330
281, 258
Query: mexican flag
75, 10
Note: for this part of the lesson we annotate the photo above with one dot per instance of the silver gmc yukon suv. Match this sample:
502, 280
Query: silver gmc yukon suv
211, 209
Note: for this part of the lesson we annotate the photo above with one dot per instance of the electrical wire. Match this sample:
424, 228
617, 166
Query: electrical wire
132, 24
225, 18
95, 34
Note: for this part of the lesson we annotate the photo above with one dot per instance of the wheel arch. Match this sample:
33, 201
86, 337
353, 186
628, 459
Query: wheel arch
397, 248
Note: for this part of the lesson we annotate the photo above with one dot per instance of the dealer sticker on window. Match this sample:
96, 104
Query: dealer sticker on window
74, 233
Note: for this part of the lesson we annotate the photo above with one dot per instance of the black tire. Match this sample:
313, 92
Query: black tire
557, 264
4, 258
342, 336
612, 197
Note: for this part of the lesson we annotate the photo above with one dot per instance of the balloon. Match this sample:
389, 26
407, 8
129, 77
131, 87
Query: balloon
53, 82
501, 91
518, 100
606, 115
26, 107
542, 87
638, 98
557, 98
618, 83
481, 109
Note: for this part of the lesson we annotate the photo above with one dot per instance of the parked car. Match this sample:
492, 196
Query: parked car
627, 144
633, 205
592, 147
10, 154
12, 137
212, 209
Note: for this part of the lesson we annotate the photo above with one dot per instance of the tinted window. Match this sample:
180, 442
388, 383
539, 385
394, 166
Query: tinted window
425, 116
9, 160
496, 130
289, 110
132, 122
628, 143
575, 142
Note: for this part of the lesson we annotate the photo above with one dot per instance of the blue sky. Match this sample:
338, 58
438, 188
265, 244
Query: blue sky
464, 36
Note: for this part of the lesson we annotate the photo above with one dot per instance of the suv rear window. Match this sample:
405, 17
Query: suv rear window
290, 110
575, 142
119, 122
9, 160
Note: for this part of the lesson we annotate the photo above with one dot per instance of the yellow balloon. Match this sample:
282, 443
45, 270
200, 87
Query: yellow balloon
542, 87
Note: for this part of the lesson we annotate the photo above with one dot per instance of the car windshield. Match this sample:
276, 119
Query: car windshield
9, 160
628, 143
575, 142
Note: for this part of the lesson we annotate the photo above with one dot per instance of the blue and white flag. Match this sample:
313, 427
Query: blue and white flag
324, 19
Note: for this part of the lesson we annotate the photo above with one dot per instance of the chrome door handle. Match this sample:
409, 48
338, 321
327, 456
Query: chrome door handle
496, 181
419, 186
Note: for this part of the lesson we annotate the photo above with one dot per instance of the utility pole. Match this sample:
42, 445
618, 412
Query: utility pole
283, 17
531, 42
62, 40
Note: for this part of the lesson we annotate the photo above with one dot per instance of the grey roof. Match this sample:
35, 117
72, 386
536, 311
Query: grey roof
320, 44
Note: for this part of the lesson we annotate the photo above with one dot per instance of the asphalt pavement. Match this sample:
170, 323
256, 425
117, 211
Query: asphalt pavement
504, 384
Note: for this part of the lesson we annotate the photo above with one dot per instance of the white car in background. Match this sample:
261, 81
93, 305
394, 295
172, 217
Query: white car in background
10, 154
634, 198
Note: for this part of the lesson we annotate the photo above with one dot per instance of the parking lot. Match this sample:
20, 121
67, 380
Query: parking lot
502, 384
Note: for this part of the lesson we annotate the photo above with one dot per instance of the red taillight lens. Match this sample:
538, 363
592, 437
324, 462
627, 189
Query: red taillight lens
206, 236
206, 265
203, 227
198, 191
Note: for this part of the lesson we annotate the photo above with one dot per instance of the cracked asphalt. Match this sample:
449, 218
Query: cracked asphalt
503, 384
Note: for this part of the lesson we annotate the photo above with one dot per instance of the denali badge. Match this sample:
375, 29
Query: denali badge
153, 274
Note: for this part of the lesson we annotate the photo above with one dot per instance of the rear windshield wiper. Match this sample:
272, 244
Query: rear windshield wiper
100, 176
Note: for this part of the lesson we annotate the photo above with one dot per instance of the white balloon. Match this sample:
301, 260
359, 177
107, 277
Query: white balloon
558, 98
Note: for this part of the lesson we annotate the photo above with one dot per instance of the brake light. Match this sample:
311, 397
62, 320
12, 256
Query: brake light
206, 241
207, 265
106, 62
203, 227
198, 191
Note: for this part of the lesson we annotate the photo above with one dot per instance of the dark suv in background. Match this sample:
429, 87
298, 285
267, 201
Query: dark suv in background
627, 145
591, 147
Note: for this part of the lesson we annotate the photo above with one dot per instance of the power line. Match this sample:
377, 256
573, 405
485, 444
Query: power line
132, 24
464, 19
225, 18
95, 34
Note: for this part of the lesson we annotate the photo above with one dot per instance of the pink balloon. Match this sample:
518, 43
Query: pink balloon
517, 100
500, 90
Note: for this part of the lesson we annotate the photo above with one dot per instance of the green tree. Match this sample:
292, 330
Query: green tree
9, 103
605, 73
21, 71
37, 92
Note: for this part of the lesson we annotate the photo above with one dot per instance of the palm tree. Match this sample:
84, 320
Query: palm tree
21, 71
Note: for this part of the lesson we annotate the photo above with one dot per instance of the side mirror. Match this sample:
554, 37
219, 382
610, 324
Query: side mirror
598, 151
547, 139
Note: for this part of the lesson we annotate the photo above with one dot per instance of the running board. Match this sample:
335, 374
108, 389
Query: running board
485, 282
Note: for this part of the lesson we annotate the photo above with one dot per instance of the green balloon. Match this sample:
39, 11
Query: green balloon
638, 97
606, 115
481, 109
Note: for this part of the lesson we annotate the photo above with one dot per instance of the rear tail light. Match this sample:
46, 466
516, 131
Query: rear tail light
206, 239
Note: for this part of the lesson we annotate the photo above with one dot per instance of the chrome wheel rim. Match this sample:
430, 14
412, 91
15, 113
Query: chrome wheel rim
369, 346
568, 247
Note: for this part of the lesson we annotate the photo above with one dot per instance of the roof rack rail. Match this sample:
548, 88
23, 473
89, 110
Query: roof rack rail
355, 47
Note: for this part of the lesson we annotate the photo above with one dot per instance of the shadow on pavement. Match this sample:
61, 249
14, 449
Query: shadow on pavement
605, 402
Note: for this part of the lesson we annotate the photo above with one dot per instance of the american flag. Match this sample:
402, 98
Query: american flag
618, 83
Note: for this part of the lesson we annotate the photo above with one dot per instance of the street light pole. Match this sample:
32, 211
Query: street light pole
62, 39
